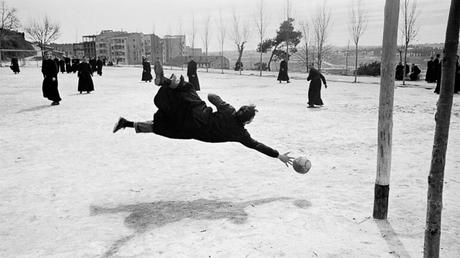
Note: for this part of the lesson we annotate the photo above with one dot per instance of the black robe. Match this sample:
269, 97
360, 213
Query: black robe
62, 65
14, 65
146, 72
182, 114
399, 72
314, 91
283, 72
50, 86
192, 75
85, 82
414, 75
438, 70
430, 73
68, 66
92, 63
99, 65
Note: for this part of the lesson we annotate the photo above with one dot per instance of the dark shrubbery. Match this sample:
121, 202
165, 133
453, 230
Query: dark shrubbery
372, 69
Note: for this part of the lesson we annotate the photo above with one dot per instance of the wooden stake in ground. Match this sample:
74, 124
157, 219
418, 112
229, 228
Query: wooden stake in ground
438, 158
385, 124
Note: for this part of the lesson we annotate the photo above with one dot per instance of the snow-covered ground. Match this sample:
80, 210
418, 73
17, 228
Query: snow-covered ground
69, 187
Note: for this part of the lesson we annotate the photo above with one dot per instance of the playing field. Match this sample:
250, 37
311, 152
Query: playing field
69, 187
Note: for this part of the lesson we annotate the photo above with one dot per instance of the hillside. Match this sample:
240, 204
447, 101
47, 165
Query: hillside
14, 40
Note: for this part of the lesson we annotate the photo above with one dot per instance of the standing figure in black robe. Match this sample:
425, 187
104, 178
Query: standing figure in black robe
314, 91
283, 72
415, 72
68, 67
146, 71
399, 72
85, 82
62, 65
56, 60
92, 63
14, 65
438, 70
192, 75
182, 114
99, 65
50, 81
430, 76
75, 63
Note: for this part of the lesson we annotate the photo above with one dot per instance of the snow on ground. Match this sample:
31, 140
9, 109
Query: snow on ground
69, 187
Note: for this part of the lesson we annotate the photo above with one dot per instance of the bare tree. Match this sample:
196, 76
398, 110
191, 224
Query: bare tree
43, 32
441, 135
358, 24
9, 21
239, 37
222, 32
206, 39
409, 27
261, 22
321, 22
305, 28
9, 17
193, 34
288, 15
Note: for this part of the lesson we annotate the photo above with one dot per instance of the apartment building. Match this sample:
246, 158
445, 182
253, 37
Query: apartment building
174, 46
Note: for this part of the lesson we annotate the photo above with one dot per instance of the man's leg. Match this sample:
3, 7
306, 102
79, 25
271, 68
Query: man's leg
140, 127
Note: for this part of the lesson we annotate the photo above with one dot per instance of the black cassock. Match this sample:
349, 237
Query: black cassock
85, 82
283, 72
146, 72
62, 65
314, 91
438, 70
192, 75
99, 65
68, 66
430, 73
414, 75
14, 65
50, 86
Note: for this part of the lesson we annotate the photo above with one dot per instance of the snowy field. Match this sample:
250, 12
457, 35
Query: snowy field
69, 187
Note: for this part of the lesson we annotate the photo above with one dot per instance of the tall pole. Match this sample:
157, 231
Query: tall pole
385, 124
438, 158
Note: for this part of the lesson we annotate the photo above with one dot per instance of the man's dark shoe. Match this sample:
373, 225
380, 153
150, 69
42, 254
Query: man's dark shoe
55, 103
120, 124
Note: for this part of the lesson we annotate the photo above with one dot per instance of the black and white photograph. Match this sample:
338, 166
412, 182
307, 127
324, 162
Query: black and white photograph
218, 129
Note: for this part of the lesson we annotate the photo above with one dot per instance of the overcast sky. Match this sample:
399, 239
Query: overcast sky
86, 17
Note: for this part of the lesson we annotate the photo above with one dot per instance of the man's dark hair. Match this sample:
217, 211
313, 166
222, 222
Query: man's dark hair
246, 113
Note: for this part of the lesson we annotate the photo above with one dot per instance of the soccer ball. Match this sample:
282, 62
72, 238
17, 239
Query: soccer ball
301, 165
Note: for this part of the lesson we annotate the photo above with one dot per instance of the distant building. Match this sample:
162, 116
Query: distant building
66, 49
192, 51
153, 48
216, 62
89, 46
78, 50
174, 46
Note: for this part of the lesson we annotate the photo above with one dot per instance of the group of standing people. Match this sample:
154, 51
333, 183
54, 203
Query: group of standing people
434, 71
314, 76
403, 71
84, 70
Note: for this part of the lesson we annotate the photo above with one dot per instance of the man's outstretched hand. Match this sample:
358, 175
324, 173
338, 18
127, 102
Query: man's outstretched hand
286, 159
